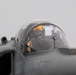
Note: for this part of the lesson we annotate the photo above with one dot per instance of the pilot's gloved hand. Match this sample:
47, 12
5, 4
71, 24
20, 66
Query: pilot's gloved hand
29, 46
29, 43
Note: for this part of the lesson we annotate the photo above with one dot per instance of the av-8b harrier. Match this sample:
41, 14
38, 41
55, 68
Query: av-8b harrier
40, 48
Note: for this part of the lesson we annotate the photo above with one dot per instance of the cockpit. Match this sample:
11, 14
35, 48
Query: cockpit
40, 37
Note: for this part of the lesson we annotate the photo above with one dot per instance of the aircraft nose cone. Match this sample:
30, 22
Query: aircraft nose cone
67, 66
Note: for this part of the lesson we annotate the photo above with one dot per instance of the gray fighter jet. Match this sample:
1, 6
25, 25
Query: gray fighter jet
39, 48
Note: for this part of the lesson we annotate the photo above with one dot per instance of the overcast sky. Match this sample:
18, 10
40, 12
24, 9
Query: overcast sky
15, 13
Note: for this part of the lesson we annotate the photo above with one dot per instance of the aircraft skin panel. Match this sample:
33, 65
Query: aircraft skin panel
67, 66
7, 48
49, 63
40, 64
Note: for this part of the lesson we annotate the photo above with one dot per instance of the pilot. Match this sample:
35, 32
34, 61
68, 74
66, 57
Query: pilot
37, 32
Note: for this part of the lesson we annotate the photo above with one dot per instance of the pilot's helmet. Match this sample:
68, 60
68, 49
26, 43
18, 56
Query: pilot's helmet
37, 31
38, 28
